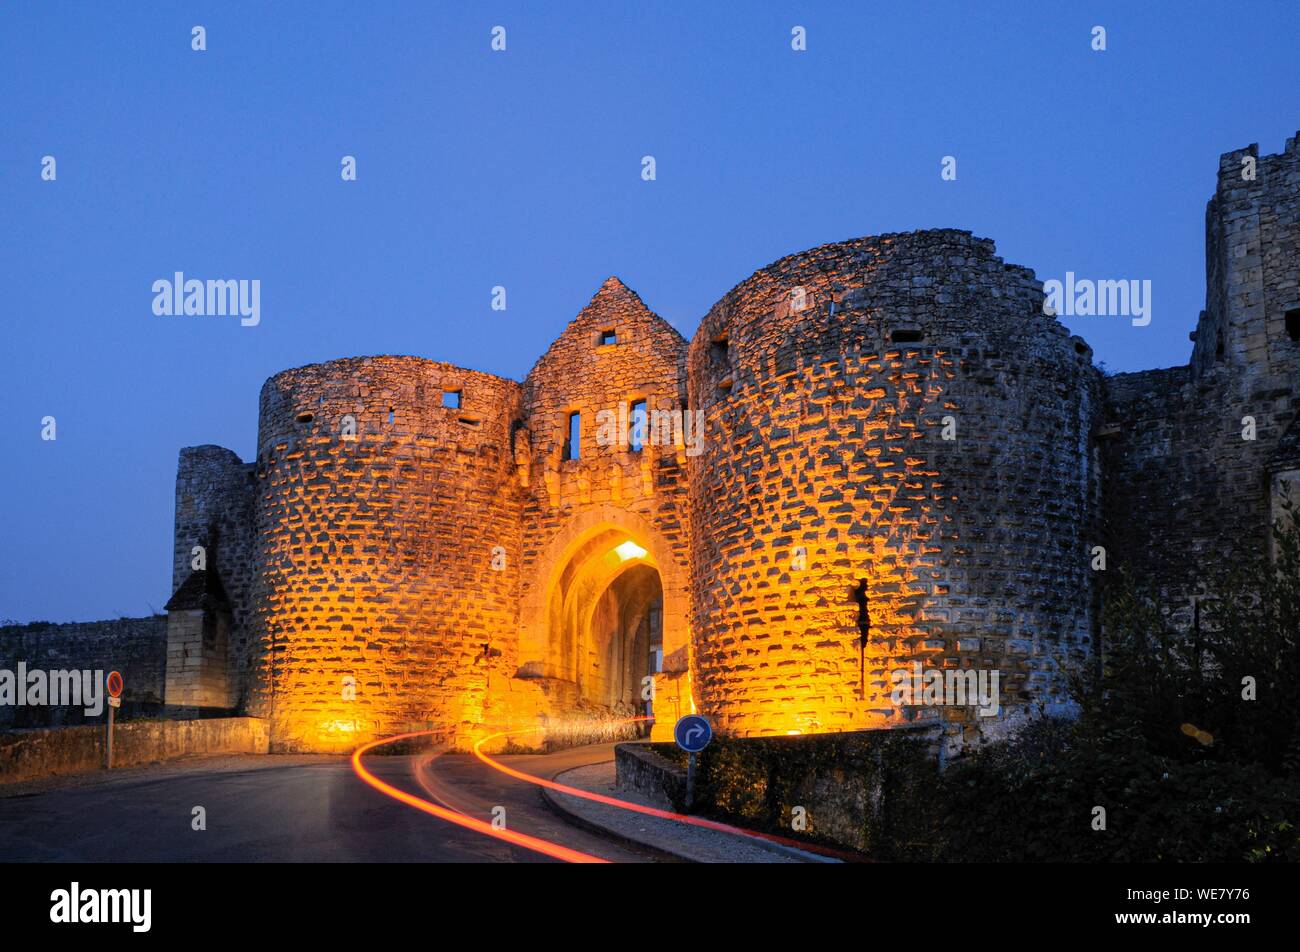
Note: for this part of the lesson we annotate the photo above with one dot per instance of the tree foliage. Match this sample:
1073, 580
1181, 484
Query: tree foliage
1188, 738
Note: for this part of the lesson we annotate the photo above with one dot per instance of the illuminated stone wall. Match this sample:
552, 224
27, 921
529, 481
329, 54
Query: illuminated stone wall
578, 510
468, 575
376, 558
827, 379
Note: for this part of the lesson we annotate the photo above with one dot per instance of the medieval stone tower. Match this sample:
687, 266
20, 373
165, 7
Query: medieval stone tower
873, 454
828, 464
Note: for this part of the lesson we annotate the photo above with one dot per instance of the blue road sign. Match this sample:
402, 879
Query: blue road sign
692, 733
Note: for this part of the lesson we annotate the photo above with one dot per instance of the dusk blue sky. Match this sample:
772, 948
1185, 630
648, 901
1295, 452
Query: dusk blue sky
522, 169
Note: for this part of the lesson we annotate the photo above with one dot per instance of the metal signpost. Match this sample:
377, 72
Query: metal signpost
114, 684
692, 734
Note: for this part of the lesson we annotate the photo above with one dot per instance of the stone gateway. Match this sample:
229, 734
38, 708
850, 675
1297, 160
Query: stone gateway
889, 426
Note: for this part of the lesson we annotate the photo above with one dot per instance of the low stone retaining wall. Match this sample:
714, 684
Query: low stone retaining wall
637, 767
42, 752
860, 790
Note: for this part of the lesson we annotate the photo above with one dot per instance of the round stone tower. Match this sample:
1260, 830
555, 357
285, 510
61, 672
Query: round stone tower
897, 447
388, 526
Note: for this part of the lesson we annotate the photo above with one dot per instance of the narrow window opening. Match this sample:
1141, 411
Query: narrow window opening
608, 337
391, 415
573, 440
718, 350
306, 417
1293, 324
637, 421
906, 335
451, 399
1218, 344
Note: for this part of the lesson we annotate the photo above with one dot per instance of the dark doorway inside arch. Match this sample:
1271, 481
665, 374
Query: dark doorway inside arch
623, 643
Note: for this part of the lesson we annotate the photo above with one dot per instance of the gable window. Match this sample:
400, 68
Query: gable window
608, 337
573, 439
451, 399
637, 423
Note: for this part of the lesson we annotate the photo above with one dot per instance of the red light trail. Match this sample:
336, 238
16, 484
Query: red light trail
548, 847
545, 847
638, 808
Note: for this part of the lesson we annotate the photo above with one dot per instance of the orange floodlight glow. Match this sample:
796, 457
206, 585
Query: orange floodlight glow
545, 847
629, 550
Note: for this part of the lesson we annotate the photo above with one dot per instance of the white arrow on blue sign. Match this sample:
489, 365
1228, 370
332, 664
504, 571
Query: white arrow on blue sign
692, 733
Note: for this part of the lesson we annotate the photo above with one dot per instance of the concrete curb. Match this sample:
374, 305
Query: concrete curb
554, 801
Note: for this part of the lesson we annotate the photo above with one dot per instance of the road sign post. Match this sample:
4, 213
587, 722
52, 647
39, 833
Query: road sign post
690, 781
114, 685
692, 734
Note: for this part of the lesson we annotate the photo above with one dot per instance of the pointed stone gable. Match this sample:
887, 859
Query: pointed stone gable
603, 491
584, 372
614, 307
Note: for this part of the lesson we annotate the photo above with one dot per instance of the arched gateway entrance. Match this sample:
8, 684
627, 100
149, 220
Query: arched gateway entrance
605, 612
605, 620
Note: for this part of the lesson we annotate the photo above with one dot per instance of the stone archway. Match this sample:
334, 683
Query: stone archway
606, 607
624, 640
609, 628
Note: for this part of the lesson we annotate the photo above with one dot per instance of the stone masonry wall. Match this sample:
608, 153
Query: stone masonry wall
215, 508
827, 379
1163, 483
134, 646
448, 564
1186, 494
609, 487
377, 553
199, 666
